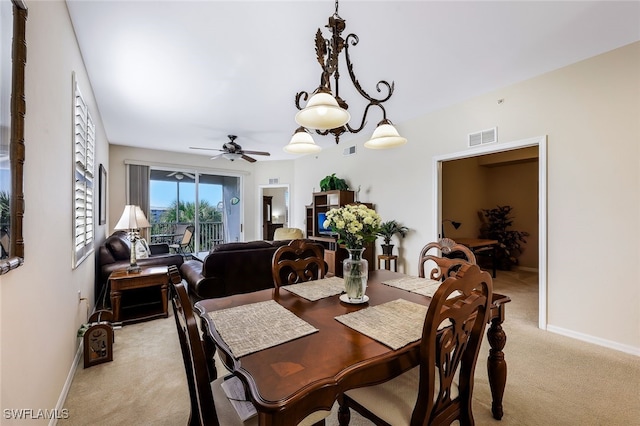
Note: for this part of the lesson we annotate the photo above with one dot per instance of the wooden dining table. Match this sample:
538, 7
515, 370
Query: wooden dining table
289, 381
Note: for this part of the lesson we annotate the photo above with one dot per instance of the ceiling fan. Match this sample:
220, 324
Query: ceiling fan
232, 151
181, 175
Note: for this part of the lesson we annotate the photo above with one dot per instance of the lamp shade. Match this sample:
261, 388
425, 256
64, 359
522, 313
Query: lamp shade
302, 143
322, 112
132, 218
385, 136
141, 218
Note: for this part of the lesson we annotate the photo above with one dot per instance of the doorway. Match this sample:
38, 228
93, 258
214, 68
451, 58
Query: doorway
274, 209
541, 144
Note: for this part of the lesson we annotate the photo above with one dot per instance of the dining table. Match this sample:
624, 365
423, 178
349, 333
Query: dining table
289, 379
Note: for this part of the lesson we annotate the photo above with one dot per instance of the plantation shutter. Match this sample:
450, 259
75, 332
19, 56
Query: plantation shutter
84, 146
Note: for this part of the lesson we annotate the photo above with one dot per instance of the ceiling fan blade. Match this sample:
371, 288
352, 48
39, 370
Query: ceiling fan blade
216, 156
256, 152
206, 149
249, 159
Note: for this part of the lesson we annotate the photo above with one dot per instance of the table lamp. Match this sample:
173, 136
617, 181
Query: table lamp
455, 224
132, 220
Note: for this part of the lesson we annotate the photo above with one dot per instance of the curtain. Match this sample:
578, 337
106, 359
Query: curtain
139, 177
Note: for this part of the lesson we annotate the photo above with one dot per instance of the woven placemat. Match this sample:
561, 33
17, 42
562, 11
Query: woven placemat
423, 286
317, 289
395, 324
251, 328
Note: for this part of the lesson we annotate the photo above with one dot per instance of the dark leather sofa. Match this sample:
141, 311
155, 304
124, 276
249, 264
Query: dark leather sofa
231, 268
115, 254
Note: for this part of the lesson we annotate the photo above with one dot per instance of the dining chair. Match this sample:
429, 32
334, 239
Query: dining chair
209, 347
185, 241
296, 262
439, 390
445, 266
209, 404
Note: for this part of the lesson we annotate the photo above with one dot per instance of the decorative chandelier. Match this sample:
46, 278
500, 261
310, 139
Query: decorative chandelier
326, 112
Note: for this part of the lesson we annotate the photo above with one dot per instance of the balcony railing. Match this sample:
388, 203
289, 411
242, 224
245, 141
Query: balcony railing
209, 234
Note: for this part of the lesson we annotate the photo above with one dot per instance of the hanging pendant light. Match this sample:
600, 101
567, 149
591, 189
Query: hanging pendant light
302, 143
326, 112
322, 112
385, 136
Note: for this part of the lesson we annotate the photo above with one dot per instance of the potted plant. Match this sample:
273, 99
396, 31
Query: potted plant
386, 231
331, 182
494, 227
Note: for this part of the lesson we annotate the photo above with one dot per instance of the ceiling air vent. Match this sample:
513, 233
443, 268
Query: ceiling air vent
349, 151
484, 136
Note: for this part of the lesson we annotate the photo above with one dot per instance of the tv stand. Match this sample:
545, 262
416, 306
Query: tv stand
334, 253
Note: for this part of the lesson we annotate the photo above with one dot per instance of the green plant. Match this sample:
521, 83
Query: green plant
495, 224
331, 182
389, 228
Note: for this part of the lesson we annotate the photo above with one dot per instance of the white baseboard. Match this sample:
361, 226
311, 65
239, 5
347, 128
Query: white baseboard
595, 340
67, 384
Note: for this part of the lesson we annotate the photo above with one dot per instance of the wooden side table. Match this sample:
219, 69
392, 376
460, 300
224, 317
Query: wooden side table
387, 262
151, 276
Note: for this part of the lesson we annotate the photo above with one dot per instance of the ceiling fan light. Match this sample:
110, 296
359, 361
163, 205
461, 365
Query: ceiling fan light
385, 136
322, 112
231, 156
302, 143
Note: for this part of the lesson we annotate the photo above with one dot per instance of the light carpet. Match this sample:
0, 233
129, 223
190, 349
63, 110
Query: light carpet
552, 379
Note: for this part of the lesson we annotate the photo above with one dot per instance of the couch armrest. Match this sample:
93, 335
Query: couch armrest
200, 287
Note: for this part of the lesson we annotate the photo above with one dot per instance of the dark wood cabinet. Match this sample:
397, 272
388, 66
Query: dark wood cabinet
334, 253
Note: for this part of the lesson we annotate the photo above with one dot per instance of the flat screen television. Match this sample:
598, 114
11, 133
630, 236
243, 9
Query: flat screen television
321, 229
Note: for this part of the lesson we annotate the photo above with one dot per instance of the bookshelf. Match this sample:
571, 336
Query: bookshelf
334, 254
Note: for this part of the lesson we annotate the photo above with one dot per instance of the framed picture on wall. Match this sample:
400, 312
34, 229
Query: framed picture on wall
102, 195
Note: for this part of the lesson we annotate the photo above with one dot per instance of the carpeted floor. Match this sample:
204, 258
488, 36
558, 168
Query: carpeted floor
552, 380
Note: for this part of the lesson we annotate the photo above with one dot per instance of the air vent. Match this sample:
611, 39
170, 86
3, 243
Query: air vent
274, 181
349, 151
484, 136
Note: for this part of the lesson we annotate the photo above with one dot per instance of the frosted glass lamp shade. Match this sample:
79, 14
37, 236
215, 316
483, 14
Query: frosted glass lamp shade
302, 143
322, 112
385, 136
232, 156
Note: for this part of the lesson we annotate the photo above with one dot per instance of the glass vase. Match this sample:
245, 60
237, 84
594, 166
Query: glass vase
355, 273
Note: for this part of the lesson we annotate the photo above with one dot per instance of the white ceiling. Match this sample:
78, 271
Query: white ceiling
173, 74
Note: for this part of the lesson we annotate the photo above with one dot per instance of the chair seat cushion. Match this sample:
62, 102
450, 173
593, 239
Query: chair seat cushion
227, 415
393, 401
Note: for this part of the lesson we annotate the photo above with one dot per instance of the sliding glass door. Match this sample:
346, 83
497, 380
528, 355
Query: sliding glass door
209, 203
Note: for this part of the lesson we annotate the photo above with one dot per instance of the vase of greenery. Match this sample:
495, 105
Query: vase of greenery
495, 227
387, 230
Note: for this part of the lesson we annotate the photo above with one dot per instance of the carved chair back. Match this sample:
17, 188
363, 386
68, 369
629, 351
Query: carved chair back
444, 266
296, 262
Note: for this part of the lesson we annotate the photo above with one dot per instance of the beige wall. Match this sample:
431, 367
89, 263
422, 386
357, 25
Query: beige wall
588, 110
590, 113
39, 309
